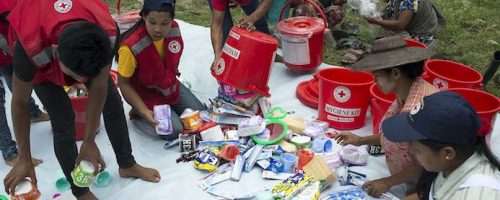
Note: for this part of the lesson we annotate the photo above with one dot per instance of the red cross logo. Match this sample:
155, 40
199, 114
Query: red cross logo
220, 67
342, 94
440, 84
63, 6
174, 46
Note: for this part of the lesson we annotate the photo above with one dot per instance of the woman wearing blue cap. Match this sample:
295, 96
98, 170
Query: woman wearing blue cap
441, 131
148, 61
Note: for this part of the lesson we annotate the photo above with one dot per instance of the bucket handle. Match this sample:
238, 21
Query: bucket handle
307, 1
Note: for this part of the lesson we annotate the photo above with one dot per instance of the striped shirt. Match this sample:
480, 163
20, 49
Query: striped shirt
449, 188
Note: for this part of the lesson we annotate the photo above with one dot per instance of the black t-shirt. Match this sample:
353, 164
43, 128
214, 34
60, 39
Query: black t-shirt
25, 70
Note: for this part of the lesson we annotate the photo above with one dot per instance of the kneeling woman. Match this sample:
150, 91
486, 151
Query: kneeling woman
148, 61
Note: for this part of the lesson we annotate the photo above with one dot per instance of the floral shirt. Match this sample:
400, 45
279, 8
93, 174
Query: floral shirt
390, 10
396, 153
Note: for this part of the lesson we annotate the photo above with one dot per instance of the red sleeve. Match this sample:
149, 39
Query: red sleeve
220, 5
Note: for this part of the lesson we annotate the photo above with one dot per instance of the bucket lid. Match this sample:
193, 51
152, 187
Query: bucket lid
301, 25
236, 32
313, 87
305, 97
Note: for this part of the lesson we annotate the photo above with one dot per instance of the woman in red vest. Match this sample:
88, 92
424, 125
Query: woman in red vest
62, 43
148, 61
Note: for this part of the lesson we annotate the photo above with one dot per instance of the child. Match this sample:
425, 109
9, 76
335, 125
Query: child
441, 131
148, 65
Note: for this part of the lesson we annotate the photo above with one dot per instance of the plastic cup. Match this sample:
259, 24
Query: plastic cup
62, 184
25, 190
289, 161
83, 174
305, 155
321, 145
103, 179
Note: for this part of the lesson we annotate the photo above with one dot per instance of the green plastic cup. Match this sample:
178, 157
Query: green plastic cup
103, 179
83, 174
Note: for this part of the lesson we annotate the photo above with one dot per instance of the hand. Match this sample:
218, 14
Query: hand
345, 138
371, 20
215, 62
22, 169
247, 22
376, 188
148, 115
90, 152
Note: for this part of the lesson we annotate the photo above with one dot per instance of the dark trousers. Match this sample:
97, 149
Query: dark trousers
62, 118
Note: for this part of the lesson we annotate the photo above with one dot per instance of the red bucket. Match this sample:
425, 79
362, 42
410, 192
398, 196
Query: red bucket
302, 40
485, 104
246, 60
379, 104
414, 43
343, 97
80, 108
445, 74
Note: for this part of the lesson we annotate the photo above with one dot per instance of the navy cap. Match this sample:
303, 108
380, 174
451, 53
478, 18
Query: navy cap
444, 117
156, 4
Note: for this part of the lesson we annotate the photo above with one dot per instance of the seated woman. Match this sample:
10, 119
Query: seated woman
441, 132
420, 18
148, 61
399, 75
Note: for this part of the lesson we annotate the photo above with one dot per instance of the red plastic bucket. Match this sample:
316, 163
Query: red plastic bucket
343, 97
379, 104
414, 43
485, 104
80, 108
246, 60
302, 40
445, 74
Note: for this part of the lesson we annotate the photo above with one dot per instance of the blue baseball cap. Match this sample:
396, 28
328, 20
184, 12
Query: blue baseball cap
443, 117
157, 4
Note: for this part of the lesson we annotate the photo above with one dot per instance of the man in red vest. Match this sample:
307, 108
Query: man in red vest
61, 43
7, 145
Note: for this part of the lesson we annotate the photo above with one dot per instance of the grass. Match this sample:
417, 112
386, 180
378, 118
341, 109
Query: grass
470, 37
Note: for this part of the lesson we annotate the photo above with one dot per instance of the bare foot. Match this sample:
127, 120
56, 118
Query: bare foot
40, 118
138, 171
87, 196
12, 162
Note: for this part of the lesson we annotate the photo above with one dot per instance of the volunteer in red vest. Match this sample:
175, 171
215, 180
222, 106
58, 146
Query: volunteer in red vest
254, 19
61, 43
148, 61
7, 145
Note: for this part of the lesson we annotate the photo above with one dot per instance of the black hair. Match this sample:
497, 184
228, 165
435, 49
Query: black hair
3, 17
411, 70
463, 151
84, 48
169, 8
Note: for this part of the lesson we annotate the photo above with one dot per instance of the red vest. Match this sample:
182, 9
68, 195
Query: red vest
38, 24
5, 51
155, 79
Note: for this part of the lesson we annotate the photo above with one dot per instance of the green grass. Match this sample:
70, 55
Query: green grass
470, 37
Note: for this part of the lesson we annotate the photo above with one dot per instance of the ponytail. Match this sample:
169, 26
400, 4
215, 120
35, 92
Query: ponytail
483, 148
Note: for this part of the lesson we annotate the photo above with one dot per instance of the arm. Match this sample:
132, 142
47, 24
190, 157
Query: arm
216, 33
132, 98
400, 24
372, 139
248, 21
377, 187
345, 138
22, 81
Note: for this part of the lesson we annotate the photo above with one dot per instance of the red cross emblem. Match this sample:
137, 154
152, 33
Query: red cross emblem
174, 46
440, 84
342, 94
63, 6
